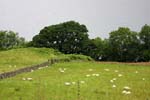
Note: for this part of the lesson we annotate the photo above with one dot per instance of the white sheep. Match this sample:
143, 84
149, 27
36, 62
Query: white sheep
29, 79
67, 83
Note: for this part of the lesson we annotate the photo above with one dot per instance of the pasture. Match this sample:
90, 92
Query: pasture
79, 80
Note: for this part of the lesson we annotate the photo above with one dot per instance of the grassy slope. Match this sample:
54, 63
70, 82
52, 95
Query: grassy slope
22, 57
48, 83
16, 58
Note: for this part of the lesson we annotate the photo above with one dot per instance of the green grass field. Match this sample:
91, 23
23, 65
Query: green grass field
77, 80
49, 83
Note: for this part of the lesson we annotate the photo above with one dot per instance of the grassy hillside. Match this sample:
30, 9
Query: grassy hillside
16, 58
78, 80
95, 82
22, 57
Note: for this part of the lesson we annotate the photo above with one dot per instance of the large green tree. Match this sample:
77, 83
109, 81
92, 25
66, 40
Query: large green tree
145, 43
68, 37
124, 45
94, 48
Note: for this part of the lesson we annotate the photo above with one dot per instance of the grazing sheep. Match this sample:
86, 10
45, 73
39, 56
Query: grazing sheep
29, 79
93, 74
136, 72
111, 81
143, 79
73, 83
126, 88
119, 75
126, 92
88, 75
96, 74
113, 86
116, 71
106, 69
67, 83
90, 70
62, 70
114, 79
82, 82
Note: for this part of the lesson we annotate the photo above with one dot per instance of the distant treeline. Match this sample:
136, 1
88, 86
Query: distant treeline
71, 37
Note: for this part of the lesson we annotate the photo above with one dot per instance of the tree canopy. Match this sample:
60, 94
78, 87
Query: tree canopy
145, 43
68, 37
124, 45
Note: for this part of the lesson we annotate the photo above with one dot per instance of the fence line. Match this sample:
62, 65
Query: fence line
30, 68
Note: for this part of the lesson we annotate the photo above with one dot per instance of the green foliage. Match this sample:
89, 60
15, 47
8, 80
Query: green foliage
105, 50
145, 36
145, 43
124, 45
68, 37
94, 48
10, 39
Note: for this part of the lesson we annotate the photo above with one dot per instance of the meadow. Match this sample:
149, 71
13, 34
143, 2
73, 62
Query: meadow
79, 80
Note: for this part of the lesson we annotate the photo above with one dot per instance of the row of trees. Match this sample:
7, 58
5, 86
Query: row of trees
71, 37
126, 45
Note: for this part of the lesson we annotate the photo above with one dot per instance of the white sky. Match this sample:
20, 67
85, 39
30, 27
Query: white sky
28, 17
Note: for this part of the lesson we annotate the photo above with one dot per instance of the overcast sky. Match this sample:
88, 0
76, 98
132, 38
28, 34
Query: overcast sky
28, 17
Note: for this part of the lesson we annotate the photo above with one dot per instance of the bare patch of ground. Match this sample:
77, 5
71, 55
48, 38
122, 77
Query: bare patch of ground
140, 63
130, 63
